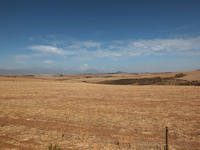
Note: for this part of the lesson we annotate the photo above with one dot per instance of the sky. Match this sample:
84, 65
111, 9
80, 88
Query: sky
106, 35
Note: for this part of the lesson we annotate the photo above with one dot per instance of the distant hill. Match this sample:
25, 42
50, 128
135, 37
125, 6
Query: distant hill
33, 70
118, 72
40, 70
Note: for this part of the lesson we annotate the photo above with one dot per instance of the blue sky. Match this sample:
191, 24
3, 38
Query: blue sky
107, 35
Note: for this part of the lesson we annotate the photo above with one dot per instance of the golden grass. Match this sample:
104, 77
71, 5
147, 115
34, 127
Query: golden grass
34, 113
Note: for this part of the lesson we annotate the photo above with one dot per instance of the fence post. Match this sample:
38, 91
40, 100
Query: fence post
166, 148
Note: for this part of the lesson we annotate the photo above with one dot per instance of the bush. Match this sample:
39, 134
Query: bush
55, 147
179, 75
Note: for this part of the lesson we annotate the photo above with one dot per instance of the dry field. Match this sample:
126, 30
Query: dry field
77, 115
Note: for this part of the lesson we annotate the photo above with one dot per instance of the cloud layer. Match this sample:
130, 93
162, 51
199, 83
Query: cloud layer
114, 50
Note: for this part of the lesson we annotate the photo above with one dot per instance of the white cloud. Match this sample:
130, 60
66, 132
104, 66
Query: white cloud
84, 67
89, 44
179, 28
51, 50
57, 42
53, 42
165, 46
114, 50
84, 44
48, 62
20, 58
31, 39
48, 50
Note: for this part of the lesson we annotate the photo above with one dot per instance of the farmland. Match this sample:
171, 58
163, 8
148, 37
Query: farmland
76, 113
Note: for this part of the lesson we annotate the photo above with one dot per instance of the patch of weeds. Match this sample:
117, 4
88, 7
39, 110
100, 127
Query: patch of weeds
55, 147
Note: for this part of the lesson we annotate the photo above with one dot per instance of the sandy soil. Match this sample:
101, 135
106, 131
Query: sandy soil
37, 111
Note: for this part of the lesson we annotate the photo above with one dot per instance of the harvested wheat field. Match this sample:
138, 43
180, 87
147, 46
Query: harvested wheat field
78, 115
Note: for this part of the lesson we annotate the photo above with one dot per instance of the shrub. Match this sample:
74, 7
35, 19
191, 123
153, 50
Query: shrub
179, 75
55, 147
